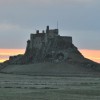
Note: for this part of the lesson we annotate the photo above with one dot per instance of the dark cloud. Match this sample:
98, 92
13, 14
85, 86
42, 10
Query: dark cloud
79, 18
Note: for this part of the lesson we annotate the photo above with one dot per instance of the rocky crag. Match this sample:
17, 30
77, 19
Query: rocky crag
47, 46
48, 53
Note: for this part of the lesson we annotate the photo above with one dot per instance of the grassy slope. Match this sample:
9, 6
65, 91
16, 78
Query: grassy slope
50, 69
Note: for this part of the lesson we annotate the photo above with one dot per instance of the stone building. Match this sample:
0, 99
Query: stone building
47, 46
38, 39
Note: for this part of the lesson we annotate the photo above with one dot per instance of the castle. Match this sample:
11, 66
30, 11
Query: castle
39, 39
47, 46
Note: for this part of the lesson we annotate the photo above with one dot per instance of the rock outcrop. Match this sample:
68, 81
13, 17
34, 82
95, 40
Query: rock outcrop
48, 53
48, 47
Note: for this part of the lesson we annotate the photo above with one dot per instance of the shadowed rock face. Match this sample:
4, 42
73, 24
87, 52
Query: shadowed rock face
55, 50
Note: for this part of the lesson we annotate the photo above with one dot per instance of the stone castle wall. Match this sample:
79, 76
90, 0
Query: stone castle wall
36, 40
45, 46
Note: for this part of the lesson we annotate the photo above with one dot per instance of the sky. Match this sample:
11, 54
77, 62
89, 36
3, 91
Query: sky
77, 18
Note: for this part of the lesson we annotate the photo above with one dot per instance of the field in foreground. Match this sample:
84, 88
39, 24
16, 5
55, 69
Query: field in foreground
23, 87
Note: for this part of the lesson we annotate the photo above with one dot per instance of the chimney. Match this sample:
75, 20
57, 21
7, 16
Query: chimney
47, 30
37, 32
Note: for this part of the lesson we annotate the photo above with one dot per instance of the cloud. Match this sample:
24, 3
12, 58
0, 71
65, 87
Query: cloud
47, 2
13, 36
5, 53
84, 39
11, 27
19, 17
10, 52
61, 1
91, 54
8, 26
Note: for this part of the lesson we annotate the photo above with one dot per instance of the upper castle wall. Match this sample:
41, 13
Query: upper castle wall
67, 38
53, 33
38, 38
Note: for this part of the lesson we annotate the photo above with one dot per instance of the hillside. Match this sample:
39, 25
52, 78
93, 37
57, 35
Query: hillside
50, 54
56, 69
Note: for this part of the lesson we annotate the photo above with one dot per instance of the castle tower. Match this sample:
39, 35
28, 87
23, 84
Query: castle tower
51, 33
47, 29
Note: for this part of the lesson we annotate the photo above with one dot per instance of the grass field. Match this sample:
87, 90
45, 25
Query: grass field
23, 87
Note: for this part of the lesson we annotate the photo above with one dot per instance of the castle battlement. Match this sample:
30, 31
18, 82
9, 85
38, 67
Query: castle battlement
38, 39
